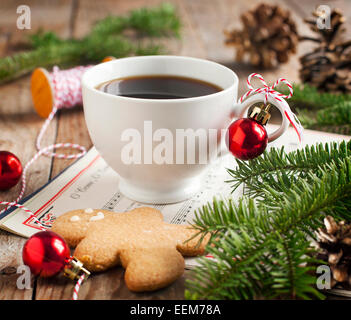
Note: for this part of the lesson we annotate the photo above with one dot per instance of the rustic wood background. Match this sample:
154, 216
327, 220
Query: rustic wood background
202, 36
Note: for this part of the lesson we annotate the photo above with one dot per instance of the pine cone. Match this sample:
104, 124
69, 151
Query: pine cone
328, 66
335, 242
268, 37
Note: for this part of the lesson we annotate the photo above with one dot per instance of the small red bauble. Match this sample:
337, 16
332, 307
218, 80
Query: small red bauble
45, 253
10, 170
247, 139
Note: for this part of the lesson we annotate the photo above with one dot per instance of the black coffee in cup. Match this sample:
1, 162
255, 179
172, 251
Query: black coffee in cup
158, 87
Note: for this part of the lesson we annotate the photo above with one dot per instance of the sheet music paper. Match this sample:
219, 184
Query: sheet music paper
91, 183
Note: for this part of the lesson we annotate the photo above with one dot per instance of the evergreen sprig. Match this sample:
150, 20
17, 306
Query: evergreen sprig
322, 111
105, 39
336, 118
262, 247
280, 169
308, 96
157, 22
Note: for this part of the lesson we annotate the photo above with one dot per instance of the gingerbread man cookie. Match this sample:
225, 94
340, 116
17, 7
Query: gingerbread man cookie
150, 250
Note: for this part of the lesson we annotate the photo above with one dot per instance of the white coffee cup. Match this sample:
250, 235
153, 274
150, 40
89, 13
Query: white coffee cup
109, 117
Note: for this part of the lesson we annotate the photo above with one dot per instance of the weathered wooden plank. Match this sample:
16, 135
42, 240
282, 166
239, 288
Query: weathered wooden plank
72, 129
20, 125
108, 285
18, 133
9, 290
191, 42
46, 15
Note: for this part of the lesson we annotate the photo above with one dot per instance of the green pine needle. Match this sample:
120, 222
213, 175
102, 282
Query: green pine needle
280, 169
105, 39
322, 111
306, 96
262, 247
336, 118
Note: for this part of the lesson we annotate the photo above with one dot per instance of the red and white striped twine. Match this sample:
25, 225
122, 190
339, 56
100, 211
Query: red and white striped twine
66, 85
269, 91
77, 287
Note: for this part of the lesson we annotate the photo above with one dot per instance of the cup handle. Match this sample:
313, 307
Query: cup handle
241, 109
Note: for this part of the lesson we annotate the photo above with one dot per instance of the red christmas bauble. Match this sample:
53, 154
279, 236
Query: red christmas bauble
10, 170
45, 253
247, 138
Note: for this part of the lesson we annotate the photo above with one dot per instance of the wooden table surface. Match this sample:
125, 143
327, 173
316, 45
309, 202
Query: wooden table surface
203, 22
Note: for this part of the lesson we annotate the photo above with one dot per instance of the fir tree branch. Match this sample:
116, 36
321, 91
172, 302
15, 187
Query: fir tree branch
69, 54
322, 111
308, 97
291, 278
260, 247
334, 128
157, 22
106, 39
291, 166
333, 119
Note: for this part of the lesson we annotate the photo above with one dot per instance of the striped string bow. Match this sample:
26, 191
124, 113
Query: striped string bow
269, 91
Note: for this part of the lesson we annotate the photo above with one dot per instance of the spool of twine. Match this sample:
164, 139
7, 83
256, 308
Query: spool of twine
59, 88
